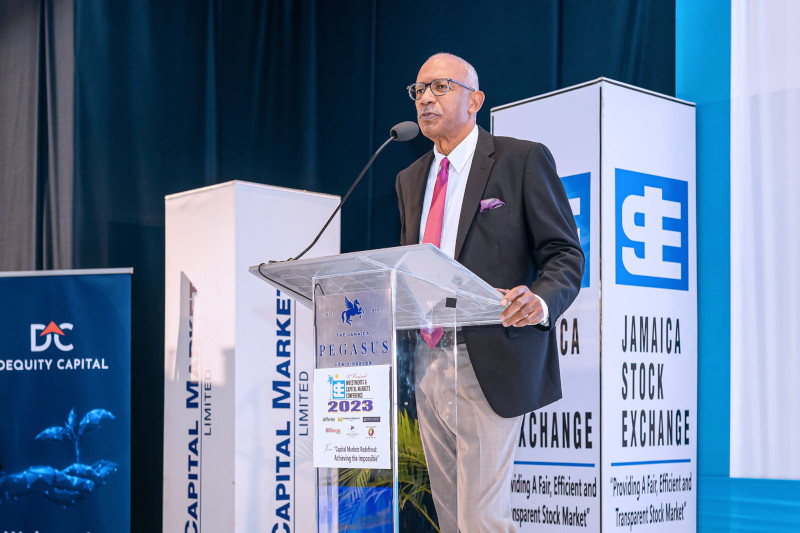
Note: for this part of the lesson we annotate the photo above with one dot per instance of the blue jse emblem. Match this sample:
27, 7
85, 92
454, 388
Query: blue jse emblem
652, 231
578, 187
337, 390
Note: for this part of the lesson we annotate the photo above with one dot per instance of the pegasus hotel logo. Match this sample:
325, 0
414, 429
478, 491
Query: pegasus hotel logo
351, 310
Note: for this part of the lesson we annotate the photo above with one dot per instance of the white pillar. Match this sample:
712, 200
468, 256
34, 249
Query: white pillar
238, 360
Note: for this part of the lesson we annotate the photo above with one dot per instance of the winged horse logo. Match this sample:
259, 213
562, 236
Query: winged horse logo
353, 309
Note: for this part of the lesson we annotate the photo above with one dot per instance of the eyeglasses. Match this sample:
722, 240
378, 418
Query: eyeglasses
439, 87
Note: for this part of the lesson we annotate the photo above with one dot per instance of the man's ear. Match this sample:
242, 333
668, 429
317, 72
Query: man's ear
476, 101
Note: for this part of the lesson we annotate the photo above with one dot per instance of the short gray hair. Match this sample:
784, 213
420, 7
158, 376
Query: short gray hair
472, 75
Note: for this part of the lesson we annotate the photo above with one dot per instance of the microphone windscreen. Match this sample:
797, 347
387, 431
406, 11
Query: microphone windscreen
405, 131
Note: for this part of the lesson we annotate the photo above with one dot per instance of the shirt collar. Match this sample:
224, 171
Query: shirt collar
461, 154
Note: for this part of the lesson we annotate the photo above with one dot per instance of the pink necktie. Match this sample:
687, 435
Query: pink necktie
433, 235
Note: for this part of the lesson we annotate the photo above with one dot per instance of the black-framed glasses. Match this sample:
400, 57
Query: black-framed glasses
439, 87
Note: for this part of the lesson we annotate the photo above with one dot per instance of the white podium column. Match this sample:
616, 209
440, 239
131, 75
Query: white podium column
239, 358
622, 443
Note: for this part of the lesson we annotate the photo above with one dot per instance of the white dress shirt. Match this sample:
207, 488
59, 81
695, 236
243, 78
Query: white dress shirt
460, 164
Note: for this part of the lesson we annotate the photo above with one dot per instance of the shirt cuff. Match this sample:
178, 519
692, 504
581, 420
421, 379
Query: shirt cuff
545, 321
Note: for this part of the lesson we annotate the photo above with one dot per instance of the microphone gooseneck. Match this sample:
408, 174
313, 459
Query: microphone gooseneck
405, 131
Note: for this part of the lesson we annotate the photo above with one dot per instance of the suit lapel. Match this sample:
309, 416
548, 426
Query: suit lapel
476, 184
416, 196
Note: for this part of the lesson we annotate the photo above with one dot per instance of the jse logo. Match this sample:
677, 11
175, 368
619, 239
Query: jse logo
652, 232
42, 336
337, 389
578, 189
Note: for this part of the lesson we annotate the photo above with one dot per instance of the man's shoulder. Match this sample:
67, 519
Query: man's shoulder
511, 147
514, 145
420, 165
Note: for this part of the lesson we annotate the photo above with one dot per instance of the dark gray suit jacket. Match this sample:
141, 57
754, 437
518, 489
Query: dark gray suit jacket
532, 241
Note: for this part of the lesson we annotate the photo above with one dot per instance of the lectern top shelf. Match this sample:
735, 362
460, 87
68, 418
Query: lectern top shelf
429, 284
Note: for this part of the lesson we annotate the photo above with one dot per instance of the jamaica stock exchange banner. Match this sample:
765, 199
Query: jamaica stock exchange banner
619, 451
65, 401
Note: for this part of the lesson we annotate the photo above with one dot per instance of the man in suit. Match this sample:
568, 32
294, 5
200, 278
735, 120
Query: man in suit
498, 207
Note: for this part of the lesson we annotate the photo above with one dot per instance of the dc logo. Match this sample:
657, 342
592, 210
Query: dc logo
351, 309
51, 333
652, 231
578, 189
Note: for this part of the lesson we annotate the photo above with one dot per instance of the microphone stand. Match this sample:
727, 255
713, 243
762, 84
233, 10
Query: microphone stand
338, 207
401, 132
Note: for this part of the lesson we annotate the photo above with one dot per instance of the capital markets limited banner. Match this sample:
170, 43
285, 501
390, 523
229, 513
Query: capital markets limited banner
65, 401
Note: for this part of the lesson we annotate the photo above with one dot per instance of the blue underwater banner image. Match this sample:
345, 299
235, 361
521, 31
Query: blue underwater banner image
65, 406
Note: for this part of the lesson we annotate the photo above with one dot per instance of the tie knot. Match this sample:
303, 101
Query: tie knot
443, 171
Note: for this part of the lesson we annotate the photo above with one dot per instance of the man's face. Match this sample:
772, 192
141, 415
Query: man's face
448, 116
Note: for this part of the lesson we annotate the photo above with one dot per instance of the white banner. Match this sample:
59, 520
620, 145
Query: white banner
649, 313
629, 155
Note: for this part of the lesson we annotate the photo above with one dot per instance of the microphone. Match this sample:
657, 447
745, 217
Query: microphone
405, 131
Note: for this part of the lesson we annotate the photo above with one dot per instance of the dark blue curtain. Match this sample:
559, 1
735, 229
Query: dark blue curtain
176, 95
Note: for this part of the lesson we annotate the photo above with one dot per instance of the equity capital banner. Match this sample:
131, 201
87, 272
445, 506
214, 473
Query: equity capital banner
65, 401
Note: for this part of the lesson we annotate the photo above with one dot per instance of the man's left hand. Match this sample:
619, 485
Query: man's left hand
524, 308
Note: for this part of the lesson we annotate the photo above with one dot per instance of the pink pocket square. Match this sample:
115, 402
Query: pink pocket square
491, 203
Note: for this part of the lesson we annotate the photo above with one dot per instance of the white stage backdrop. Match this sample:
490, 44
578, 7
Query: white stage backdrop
765, 238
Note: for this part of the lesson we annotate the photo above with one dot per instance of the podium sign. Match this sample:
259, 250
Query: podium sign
351, 417
352, 380
354, 329
372, 361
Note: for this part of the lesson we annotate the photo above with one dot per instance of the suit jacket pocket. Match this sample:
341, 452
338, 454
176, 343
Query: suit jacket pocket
493, 213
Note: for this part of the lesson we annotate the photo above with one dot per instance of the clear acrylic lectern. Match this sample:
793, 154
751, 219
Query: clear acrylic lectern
376, 315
